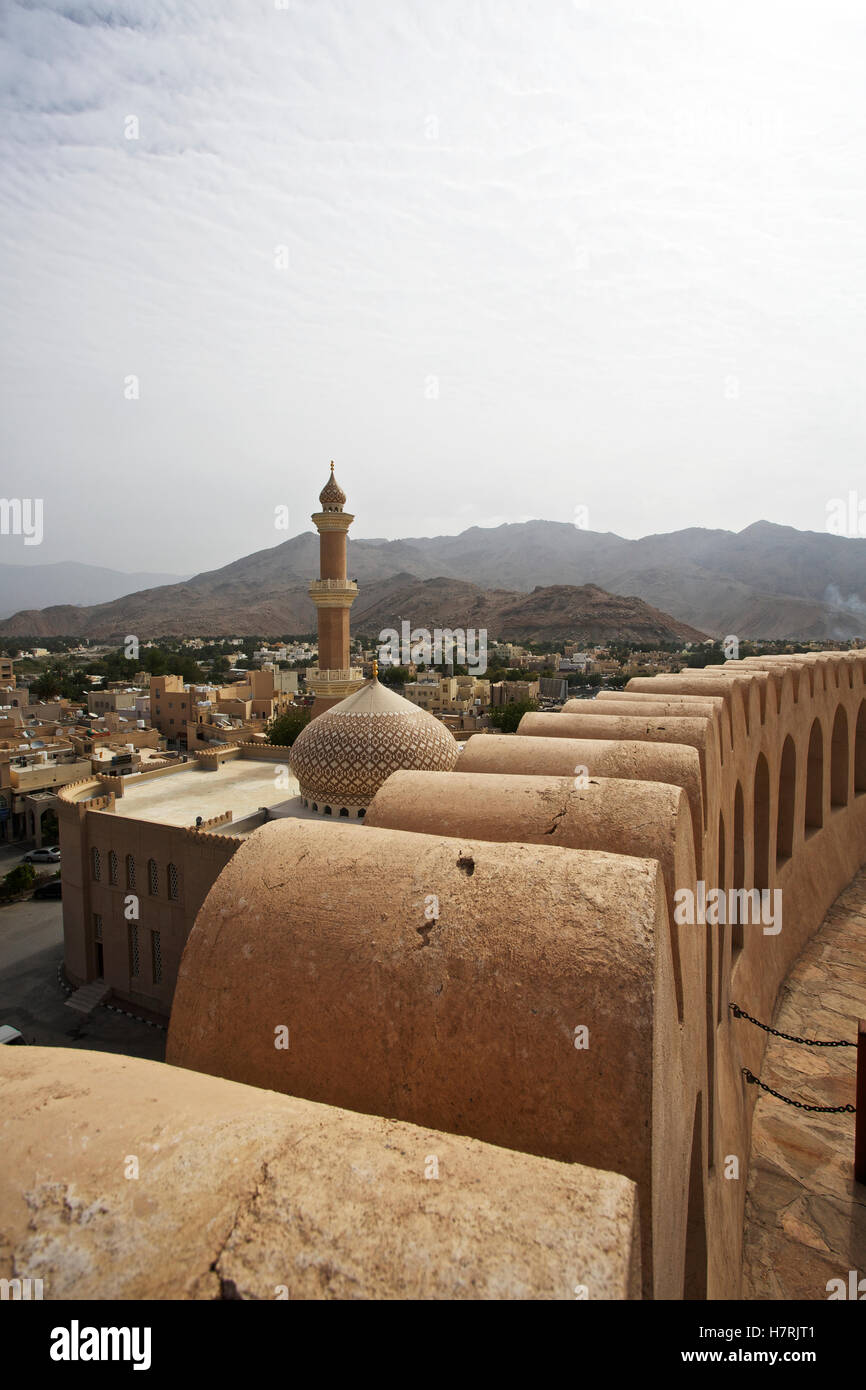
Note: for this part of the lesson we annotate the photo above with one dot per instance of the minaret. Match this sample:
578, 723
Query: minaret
333, 594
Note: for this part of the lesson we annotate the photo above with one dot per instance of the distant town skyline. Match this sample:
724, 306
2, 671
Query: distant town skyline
499, 263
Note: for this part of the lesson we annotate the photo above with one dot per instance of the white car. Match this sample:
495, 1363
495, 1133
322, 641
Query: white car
51, 855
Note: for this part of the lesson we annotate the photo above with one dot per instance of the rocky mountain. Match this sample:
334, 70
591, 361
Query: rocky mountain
766, 581
551, 613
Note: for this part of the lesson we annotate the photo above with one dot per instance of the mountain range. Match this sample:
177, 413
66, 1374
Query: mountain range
766, 581
36, 586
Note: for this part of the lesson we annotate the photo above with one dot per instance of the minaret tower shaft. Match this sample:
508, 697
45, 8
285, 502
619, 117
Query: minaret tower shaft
333, 594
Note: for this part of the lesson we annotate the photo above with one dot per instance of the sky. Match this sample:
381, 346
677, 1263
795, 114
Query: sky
587, 260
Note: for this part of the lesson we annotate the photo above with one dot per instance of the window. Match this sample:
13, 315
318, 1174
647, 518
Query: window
97, 925
112, 866
134, 961
173, 882
130, 871
156, 957
95, 864
152, 878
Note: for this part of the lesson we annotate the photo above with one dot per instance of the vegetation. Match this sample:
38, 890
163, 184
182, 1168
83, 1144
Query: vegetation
283, 730
394, 675
507, 717
19, 879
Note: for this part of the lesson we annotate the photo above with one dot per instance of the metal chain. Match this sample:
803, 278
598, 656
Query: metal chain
800, 1105
789, 1037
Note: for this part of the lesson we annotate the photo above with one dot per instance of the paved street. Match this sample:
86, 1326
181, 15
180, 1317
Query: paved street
31, 949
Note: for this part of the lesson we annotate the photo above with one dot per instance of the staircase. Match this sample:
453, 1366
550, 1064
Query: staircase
85, 1000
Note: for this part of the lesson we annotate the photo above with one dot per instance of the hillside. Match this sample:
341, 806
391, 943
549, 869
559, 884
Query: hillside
766, 581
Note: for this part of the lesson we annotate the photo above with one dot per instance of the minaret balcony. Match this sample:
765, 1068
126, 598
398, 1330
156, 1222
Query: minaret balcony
333, 593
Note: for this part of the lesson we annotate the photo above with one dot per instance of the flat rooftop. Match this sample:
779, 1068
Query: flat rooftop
240, 786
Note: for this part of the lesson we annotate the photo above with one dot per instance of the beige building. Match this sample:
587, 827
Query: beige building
451, 695
136, 866
513, 692
179, 711
110, 701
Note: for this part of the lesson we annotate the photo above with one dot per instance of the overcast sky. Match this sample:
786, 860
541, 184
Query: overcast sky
499, 259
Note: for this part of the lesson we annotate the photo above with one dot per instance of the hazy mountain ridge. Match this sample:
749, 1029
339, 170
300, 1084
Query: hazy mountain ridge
766, 581
39, 585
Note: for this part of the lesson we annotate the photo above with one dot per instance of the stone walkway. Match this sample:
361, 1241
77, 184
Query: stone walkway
805, 1217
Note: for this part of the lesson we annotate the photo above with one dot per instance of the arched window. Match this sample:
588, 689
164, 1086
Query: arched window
815, 780
173, 882
739, 868
721, 883
112, 866
130, 871
95, 864
839, 760
152, 878
344, 812
785, 817
860, 750
761, 823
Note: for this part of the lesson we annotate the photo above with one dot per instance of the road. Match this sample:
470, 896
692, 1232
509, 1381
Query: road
31, 949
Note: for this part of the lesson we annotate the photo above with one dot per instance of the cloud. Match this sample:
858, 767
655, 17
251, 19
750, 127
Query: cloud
495, 260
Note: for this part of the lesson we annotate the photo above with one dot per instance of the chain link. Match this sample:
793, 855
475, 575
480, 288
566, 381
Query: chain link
799, 1104
789, 1037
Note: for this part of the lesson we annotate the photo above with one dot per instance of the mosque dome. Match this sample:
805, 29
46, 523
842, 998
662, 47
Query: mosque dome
332, 495
343, 756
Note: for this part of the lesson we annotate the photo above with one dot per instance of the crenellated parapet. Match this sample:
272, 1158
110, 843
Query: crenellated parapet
564, 878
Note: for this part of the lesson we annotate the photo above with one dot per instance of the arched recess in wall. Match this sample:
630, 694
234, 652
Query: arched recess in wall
761, 823
787, 794
839, 759
695, 1274
860, 750
815, 780
721, 928
739, 867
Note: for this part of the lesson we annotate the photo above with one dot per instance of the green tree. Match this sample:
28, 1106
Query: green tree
283, 730
19, 879
46, 686
507, 717
394, 675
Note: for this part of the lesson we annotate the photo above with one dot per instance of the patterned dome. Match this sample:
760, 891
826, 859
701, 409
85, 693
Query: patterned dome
342, 757
332, 495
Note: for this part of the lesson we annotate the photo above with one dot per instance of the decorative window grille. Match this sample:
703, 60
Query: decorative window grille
112, 866
97, 925
152, 878
130, 871
134, 960
156, 950
173, 882
95, 864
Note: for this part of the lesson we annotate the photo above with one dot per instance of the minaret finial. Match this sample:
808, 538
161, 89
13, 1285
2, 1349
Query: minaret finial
375, 669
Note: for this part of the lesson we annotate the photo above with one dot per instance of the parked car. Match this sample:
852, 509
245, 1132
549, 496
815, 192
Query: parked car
52, 889
10, 1036
43, 856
